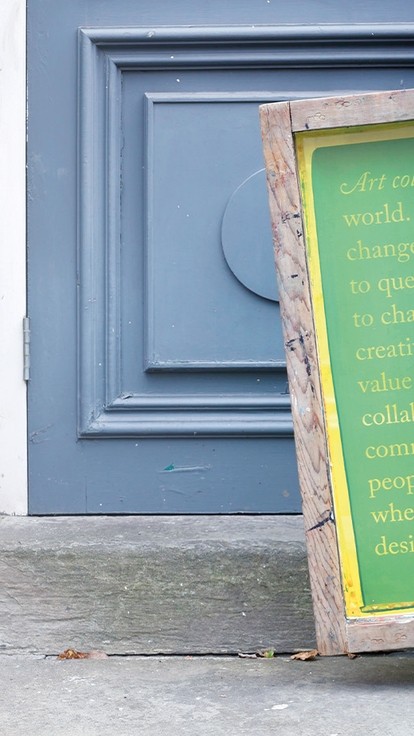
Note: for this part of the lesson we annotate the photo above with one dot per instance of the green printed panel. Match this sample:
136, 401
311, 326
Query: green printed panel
364, 212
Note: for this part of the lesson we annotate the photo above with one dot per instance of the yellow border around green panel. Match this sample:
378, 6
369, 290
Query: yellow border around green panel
306, 143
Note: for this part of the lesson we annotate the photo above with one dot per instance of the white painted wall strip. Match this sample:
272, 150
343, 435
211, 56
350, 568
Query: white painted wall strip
13, 454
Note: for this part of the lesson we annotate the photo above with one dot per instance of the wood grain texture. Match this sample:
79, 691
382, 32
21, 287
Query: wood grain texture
334, 632
380, 634
289, 248
365, 109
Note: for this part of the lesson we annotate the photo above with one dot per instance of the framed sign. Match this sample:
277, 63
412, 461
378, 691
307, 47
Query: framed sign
340, 177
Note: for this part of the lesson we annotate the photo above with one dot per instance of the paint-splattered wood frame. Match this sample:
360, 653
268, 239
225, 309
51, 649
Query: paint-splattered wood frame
280, 122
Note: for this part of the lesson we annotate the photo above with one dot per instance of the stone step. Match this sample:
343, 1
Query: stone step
147, 585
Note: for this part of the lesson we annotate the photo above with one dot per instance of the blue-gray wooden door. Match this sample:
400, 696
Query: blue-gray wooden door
158, 382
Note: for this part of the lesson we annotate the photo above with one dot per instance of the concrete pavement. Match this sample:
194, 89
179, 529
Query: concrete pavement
207, 696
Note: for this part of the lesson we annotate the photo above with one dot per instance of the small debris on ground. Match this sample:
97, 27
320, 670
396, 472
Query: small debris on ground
266, 653
306, 656
247, 655
261, 653
280, 706
74, 654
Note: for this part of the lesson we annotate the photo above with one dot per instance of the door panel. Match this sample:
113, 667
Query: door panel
158, 381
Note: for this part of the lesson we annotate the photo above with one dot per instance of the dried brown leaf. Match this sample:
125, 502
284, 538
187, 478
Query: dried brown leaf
74, 654
306, 656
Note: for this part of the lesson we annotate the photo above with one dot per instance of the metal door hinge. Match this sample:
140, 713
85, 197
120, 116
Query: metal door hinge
26, 348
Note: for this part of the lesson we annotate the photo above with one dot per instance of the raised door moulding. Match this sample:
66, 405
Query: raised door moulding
105, 408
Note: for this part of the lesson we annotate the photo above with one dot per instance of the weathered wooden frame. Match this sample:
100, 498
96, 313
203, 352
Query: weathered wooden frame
280, 121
